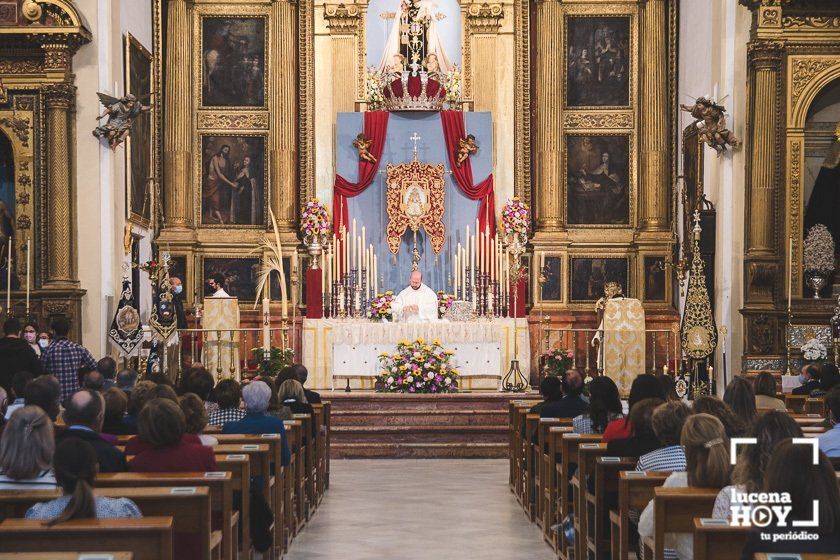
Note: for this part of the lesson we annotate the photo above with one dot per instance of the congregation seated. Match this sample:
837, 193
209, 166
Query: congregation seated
290, 393
275, 407
196, 417
645, 386
84, 417
116, 403
604, 407
669, 388
75, 471
138, 397
45, 393
228, 396
551, 389
26, 451
748, 476
200, 382
829, 378
127, 379
302, 374
809, 379
668, 420
740, 396
19, 382
830, 440
162, 425
712, 405
764, 385
256, 396
707, 466
93, 381
107, 367
571, 404
643, 439
138, 443
791, 469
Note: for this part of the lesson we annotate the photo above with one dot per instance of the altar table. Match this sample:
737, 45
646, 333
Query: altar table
339, 349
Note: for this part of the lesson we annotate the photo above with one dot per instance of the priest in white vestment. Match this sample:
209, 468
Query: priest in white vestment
416, 304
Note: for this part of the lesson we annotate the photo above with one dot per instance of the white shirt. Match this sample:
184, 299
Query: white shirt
220, 293
423, 297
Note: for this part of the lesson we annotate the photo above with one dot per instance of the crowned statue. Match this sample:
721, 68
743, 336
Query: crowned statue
415, 42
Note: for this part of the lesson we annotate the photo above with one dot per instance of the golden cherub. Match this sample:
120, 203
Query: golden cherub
466, 148
363, 144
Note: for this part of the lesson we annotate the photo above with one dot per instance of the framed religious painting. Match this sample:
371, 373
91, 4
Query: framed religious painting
241, 275
598, 179
589, 274
233, 180
139, 145
552, 289
233, 56
598, 61
655, 279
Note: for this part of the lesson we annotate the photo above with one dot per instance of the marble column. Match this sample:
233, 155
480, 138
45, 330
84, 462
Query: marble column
548, 71
283, 108
654, 117
178, 128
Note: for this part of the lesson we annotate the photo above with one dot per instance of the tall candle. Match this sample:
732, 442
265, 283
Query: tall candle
353, 244
369, 266
458, 271
266, 329
375, 278
344, 250
364, 249
790, 272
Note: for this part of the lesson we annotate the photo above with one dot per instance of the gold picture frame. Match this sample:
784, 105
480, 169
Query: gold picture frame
143, 133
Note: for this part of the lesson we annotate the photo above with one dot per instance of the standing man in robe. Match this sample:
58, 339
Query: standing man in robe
416, 304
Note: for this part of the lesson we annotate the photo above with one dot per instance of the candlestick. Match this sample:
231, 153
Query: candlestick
266, 330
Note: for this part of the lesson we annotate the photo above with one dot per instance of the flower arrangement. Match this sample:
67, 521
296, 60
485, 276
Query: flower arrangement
814, 350
819, 250
314, 219
418, 367
558, 360
380, 306
373, 89
516, 217
444, 302
452, 85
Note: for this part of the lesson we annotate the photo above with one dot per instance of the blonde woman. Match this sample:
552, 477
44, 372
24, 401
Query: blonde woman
707, 466
26, 451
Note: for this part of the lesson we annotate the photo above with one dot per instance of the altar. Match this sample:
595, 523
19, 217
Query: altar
335, 350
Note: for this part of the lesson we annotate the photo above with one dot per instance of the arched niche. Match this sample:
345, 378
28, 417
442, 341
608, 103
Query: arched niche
820, 125
7, 199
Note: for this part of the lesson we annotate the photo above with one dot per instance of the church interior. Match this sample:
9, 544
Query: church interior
546, 279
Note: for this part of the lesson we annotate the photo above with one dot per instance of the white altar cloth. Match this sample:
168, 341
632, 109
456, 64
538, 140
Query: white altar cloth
335, 349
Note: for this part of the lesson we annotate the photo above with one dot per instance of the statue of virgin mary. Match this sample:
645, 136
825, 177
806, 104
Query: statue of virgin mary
824, 204
415, 17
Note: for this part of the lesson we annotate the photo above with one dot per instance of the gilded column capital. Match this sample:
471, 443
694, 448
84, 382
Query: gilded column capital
343, 18
763, 53
485, 18
60, 96
57, 55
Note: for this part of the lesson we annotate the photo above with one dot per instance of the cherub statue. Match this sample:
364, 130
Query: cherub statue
363, 144
466, 148
713, 130
121, 114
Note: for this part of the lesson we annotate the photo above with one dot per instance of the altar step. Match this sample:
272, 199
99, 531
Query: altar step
418, 450
419, 418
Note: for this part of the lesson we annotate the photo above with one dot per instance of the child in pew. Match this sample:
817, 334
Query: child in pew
75, 471
26, 451
748, 476
712, 405
707, 466
645, 386
604, 407
162, 425
791, 470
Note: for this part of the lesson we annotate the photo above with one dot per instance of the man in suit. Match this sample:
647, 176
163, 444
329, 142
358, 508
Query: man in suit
572, 404
84, 416
809, 377
15, 355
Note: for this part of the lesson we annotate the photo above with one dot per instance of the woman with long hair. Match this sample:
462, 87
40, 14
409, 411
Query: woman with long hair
75, 471
26, 451
709, 404
764, 385
740, 396
604, 407
707, 466
645, 386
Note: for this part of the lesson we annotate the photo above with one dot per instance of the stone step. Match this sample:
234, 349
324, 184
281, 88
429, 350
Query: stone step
419, 418
418, 450
388, 401
419, 434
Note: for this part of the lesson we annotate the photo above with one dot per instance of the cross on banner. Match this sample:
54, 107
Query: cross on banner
415, 138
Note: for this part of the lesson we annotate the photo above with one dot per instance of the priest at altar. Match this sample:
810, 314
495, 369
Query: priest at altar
416, 304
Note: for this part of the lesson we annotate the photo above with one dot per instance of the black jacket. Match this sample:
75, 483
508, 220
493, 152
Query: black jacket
16, 355
180, 316
567, 407
110, 458
312, 397
810, 385
634, 446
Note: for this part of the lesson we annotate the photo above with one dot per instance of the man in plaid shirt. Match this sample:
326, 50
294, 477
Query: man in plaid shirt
64, 359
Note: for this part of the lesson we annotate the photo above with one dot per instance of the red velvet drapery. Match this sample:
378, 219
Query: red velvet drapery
376, 127
454, 129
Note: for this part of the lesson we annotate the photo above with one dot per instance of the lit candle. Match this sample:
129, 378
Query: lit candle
266, 329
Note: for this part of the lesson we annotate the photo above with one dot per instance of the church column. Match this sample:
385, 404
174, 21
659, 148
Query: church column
654, 117
344, 22
484, 22
548, 73
61, 270
177, 138
284, 118
763, 171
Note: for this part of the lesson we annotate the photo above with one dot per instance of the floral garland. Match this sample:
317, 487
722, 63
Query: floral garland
444, 302
417, 367
374, 84
558, 360
814, 350
516, 217
380, 307
314, 219
819, 250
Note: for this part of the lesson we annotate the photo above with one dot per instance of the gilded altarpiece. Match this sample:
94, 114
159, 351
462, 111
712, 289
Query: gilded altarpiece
792, 59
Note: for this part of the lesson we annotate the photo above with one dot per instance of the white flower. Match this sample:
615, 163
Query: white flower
447, 381
394, 369
390, 380
410, 378
430, 375
814, 350
427, 365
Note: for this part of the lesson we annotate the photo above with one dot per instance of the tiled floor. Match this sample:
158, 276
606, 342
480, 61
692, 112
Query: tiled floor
419, 509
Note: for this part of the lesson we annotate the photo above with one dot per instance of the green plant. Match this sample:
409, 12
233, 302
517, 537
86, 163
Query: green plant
278, 358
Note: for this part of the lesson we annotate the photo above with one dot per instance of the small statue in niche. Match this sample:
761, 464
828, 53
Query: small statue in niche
713, 130
121, 114
363, 144
466, 148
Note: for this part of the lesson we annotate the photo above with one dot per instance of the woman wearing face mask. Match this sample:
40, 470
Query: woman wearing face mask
44, 340
30, 335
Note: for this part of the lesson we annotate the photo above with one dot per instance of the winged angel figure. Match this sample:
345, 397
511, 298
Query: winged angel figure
121, 114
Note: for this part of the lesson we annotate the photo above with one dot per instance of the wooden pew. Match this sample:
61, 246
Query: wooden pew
569, 445
320, 447
635, 490
221, 495
587, 454
674, 512
147, 538
796, 403
544, 464
327, 442
816, 406
529, 496
239, 467
296, 512
600, 500
715, 539
521, 448
189, 508
308, 464
554, 437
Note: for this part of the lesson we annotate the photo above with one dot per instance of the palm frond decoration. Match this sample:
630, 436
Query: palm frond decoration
272, 262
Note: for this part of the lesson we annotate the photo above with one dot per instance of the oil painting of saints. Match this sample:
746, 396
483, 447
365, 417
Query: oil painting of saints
233, 62
597, 64
598, 169
233, 180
